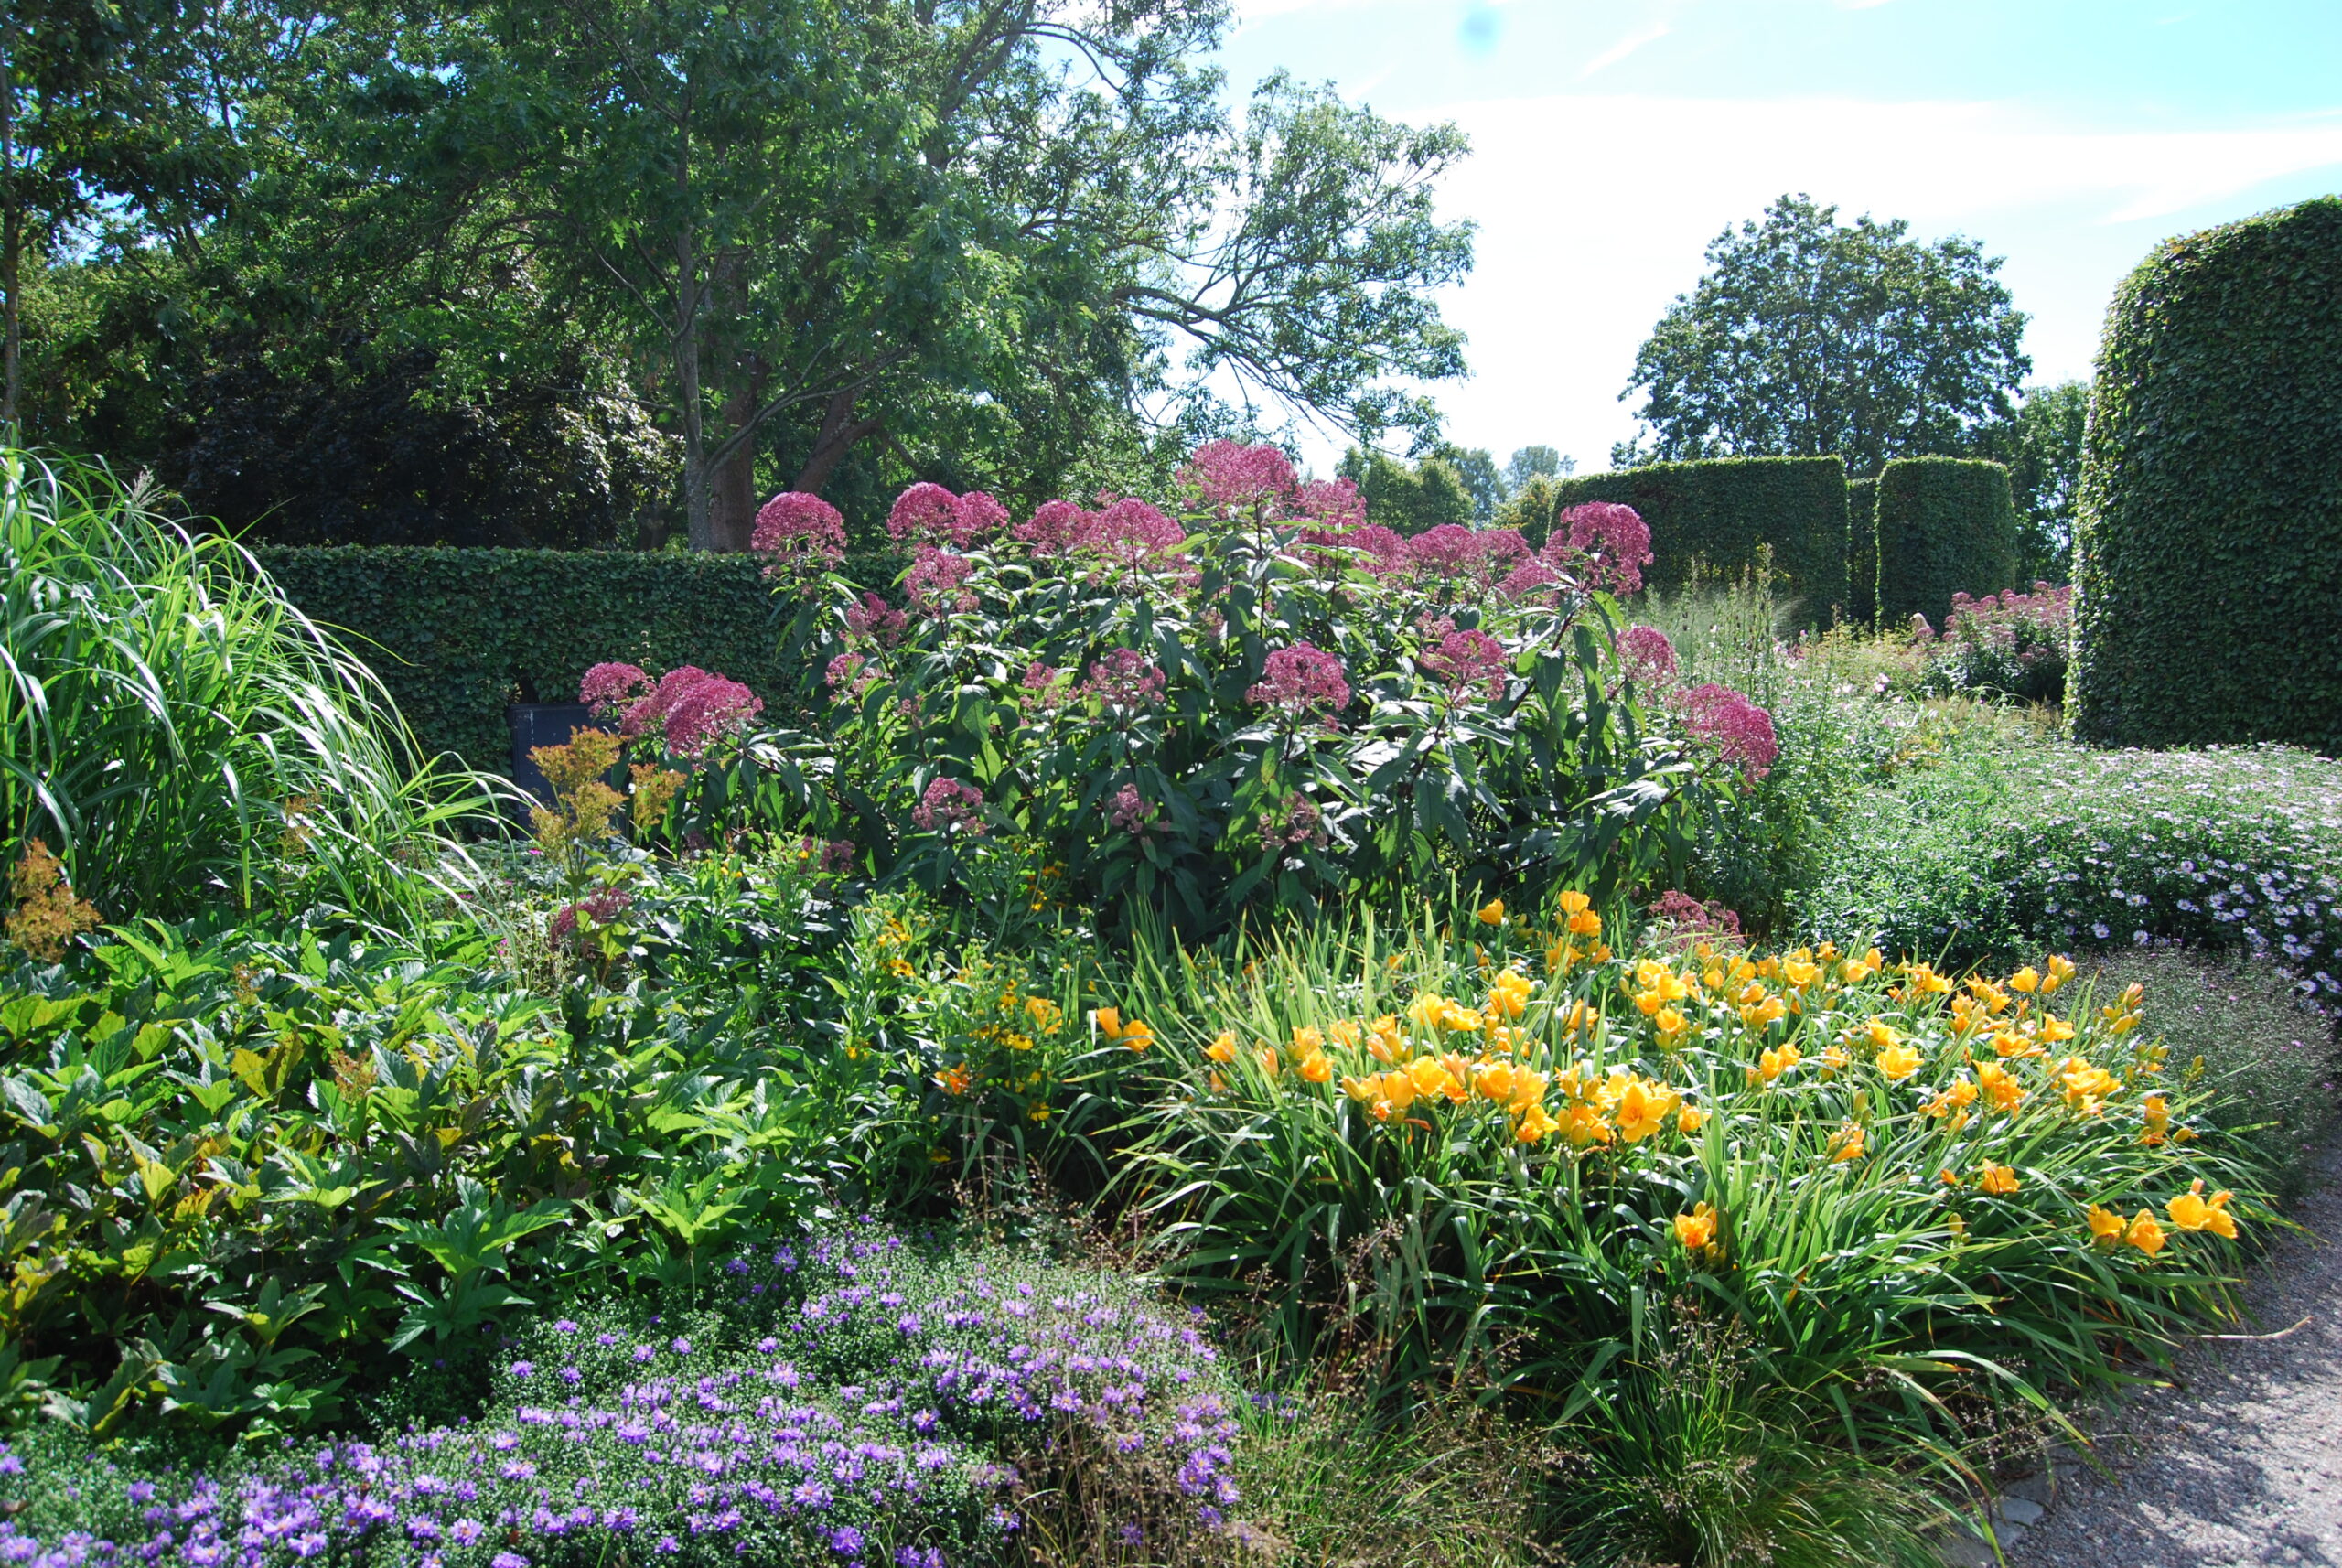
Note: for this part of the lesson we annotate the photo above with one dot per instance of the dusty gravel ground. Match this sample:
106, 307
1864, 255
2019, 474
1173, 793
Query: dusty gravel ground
2239, 1463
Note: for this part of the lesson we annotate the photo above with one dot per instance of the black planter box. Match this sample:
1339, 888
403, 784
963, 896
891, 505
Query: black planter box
543, 724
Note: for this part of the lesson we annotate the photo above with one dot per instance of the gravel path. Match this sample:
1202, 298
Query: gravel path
2239, 1465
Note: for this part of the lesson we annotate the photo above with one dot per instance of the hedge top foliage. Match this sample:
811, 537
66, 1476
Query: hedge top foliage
455, 635
2208, 531
1721, 510
1944, 525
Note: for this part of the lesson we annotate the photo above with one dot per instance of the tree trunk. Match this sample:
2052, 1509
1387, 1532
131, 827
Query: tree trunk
732, 511
839, 431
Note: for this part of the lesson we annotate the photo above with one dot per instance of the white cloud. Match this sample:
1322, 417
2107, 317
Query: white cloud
1651, 33
1594, 212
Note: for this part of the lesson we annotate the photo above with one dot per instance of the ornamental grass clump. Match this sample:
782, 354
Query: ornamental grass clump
845, 1397
177, 733
1258, 703
1486, 1150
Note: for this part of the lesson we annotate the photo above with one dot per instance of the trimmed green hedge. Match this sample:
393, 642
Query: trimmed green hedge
2208, 531
1719, 511
458, 634
1862, 550
1944, 524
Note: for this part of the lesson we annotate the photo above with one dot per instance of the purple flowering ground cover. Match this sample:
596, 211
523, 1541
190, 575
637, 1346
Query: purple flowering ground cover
851, 1400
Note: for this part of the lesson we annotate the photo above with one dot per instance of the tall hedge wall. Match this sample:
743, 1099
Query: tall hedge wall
1721, 510
1862, 549
458, 634
2209, 529
1944, 524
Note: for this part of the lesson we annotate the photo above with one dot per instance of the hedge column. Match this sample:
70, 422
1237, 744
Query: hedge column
2209, 529
1719, 510
1944, 525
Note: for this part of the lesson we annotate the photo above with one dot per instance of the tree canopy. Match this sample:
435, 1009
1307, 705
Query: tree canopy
822, 245
1808, 337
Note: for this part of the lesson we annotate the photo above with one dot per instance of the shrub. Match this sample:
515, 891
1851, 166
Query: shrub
1944, 525
1277, 708
1999, 847
845, 1396
175, 732
366, 1147
1721, 511
2009, 645
2208, 531
1497, 1151
457, 635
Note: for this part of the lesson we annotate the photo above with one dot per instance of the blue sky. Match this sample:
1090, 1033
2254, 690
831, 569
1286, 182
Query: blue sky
1613, 141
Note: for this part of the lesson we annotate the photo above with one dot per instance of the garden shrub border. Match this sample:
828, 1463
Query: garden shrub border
457, 635
1719, 510
2209, 527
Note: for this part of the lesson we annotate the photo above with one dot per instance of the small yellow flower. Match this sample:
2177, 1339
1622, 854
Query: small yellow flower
2145, 1234
955, 1080
2156, 1113
1688, 1118
1696, 1229
1848, 1143
2061, 969
1345, 1034
1535, 1124
1492, 912
2191, 1210
1307, 1041
1642, 1109
1998, 1082
1998, 1180
1108, 1021
2026, 980
2105, 1226
1316, 1069
1266, 1056
1137, 1036
1957, 1226
1671, 1022
1898, 1061
1586, 923
1575, 902
1223, 1049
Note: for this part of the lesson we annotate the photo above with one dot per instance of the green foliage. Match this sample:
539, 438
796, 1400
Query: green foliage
239, 1155
1408, 499
2239, 1025
1807, 337
1723, 513
1944, 525
2208, 544
1984, 845
1483, 1175
2042, 448
1122, 724
455, 635
1862, 551
1697, 1458
177, 732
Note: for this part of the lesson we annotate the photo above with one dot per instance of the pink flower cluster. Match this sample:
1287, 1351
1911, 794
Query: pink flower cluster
874, 620
591, 912
850, 674
798, 530
1741, 732
2026, 627
1131, 534
947, 804
1295, 824
1227, 477
1463, 659
1127, 811
1302, 681
1126, 678
1614, 539
1686, 917
833, 858
689, 707
1647, 657
934, 583
926, 513
1053, 528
